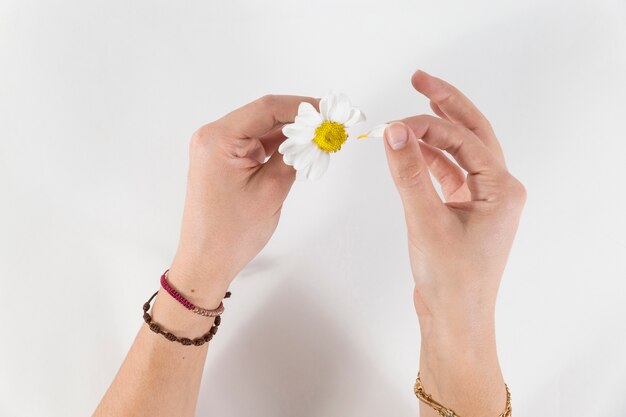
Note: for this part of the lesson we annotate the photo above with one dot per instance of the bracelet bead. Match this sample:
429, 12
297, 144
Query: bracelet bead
156, 328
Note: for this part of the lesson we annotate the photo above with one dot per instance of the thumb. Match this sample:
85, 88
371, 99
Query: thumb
410, 173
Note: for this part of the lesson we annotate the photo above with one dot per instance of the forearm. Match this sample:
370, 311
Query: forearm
459, 366
160, 377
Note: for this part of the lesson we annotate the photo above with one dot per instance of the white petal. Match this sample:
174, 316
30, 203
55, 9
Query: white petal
302, 139
289, 158
289, 146
292, 151
339, 110
319, 166
356, 116
306, 157
302, 175
298, 132
326, 104
376, 132
311, 118
306, 107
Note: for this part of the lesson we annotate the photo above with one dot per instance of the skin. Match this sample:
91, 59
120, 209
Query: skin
474, 227
233, 204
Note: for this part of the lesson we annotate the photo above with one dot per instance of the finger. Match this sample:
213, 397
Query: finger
272, 139
483, 168
410, 172
447, 173
438, 111
275, 177
261, 116
271, 144
457, 108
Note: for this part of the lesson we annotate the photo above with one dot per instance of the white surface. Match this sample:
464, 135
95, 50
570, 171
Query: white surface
98, 100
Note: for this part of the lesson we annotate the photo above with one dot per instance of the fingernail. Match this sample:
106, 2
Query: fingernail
397, 136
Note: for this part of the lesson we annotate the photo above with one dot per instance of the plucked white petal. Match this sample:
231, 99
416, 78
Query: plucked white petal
339, 109
319, 166
356, 116
376, 132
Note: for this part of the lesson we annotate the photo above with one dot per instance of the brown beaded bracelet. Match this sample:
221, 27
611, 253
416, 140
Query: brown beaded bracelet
199, 341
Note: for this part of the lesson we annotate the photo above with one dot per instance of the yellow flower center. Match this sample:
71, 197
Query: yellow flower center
329, 136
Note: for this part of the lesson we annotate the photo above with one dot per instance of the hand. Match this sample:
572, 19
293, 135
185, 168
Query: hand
234, 197
458, 248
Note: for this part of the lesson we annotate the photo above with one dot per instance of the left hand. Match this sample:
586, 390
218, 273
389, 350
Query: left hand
234, 198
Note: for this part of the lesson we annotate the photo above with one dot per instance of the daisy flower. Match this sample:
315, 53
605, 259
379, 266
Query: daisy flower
315, 135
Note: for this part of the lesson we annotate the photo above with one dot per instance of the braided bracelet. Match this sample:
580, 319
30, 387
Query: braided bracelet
188, 304
446, 412
156, 328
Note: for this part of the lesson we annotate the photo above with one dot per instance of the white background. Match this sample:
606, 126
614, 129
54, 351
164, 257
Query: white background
99, 98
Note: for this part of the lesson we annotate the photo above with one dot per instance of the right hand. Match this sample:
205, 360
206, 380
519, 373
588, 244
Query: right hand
458, 248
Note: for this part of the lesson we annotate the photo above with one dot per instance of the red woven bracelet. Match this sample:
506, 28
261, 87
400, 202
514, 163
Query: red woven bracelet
188, 304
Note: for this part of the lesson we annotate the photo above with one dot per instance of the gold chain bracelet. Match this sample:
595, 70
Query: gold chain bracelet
446, 412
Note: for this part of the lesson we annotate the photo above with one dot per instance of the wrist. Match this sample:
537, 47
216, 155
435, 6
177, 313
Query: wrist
215, 260
450, 342
446, 347
203, 283
183, 290
459, 362
463, 318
